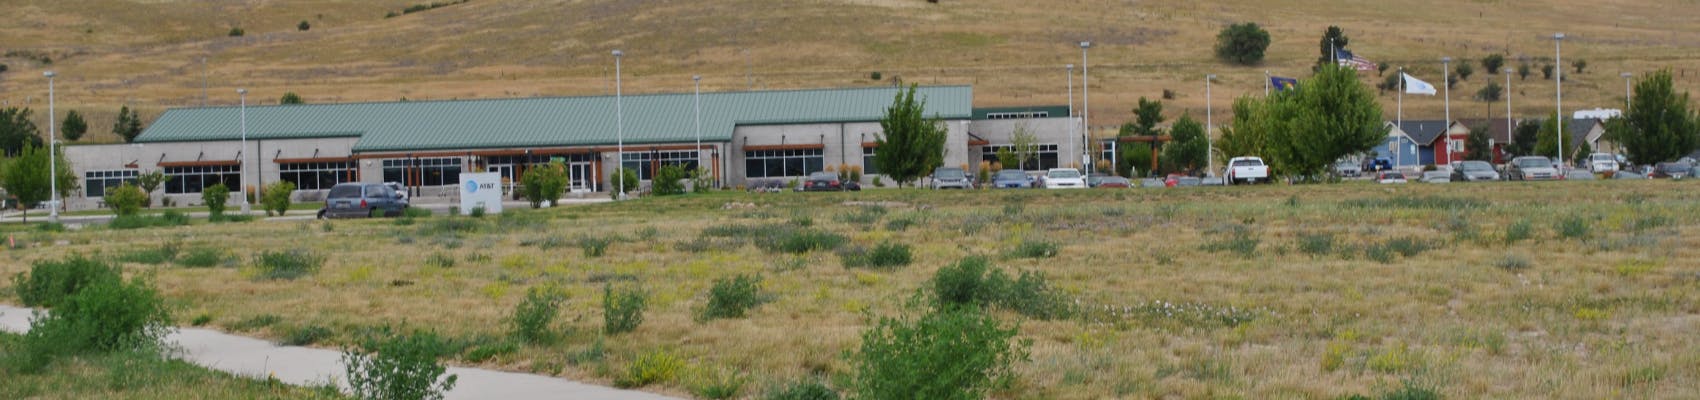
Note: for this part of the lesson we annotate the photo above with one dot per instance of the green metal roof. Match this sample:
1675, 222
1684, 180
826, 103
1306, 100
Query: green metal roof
545, 121
1054, 111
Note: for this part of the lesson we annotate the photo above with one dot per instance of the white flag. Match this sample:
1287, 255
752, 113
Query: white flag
1417, 86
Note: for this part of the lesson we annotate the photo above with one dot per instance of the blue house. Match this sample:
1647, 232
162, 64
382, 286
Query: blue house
1420, 141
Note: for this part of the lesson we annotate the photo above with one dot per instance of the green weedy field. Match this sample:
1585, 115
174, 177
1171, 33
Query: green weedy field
139, 376
1546, 290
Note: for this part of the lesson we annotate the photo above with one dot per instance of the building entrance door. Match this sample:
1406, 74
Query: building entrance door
581, 176
507, 174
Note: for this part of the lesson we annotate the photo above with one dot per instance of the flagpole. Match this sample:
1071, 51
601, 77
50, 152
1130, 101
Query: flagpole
1446, 82
1266, 83
1399, 123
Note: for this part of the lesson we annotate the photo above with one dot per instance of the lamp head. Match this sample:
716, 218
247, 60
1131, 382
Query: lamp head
1210, 77
49, 74
1085, 44
697, 78
1558, 36
1626, 75
618, 54
1509, 70
242, 91
1446, 60
1070, 67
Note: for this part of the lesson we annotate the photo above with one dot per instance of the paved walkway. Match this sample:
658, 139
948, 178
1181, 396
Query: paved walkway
439, 209
306, 366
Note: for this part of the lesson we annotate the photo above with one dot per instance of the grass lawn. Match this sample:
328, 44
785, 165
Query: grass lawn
1498, 290
134, 376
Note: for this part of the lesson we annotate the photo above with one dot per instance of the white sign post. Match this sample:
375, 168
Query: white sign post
482, 190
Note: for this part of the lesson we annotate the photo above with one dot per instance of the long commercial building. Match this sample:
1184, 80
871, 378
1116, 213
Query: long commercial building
740, 137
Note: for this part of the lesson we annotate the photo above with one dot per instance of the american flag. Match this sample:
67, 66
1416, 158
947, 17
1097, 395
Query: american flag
1347, 59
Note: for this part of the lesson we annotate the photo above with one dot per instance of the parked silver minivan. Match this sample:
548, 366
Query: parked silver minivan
354, 200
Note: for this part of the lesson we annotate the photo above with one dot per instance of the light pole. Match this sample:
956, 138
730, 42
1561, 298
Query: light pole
1446, 80
1070, 105
1399, 122
698, 100
1510, 130
1209, 124
1626, 93
242, 163
1085, 104
52, 156
204, 81
619, 129
1558, 55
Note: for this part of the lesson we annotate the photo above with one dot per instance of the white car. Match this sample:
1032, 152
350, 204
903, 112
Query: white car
1600, 163
1247, 170
1064, 178
1394, 177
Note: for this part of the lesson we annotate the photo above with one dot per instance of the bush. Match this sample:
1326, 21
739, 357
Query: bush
153, 256
802, 390
718, 385
203, 257
1242, 44
1241, 241
622, 311
948, 354
487, 351
126, 199
50, 282
215, 197
305, 335
622, 176
885, 255
733, 297
1030, 248
532, 317
594, 246
653, 367
287, 264
544, 183
276, 198
667, 181
961, 285
236, 32
105, 316
1316, 244
971, 283
1573, 227
415, 212
403, 367
800, 241
868, 215
1518, 231
1512, 263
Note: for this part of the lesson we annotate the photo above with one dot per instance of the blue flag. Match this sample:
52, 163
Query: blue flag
1282, 84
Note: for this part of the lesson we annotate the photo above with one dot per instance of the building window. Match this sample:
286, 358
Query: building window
1045, 158
1018, 115
1108, 151
1455, 146
524, 161
868, 165
781, 163
646, 163
317, 175
423, 171
193, 179
95, 183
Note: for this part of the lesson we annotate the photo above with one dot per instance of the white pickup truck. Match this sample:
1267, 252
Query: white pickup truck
1600, 163
1246, 170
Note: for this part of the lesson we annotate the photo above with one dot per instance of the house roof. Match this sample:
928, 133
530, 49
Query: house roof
1423, 132
1579, 129
1498, 128
546, 121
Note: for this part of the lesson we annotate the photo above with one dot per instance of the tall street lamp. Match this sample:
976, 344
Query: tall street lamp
1510, 130
1071, 124
242, 163
52, 156
1085, 105
1446, 80
1558, 51
619, 129
698, 100
1209, 125
1626, 93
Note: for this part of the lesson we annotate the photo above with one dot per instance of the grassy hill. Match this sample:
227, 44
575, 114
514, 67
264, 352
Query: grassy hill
147, 53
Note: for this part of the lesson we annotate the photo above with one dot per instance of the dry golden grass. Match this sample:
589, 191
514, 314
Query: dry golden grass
146, 54
1605, 316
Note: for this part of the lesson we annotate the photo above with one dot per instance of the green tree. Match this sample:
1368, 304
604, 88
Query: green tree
1579, 64
1008, 160
911, 145
1242, 43
1546, 71
290, 98
125, 199
1185, 152
1523, 72
26, 177
1660, 124
17, 131
1307, 129
1476, 145
1146, 117
1490, 93
1546, 144
1392, 82
1381, 69
74, 126
237, 32
1333, 39
215, 197
149, 182
303, 26
276, 197
1524, 137
1134, 157
666, 182
623, 179
1464, 71
1492, 63
544, 183
1243, 137
129, 125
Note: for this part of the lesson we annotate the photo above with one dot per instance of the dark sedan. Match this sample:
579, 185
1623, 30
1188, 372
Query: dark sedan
1672, 170
826, 182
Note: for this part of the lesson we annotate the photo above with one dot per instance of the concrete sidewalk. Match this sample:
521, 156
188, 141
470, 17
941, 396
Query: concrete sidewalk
307, 366
437, 209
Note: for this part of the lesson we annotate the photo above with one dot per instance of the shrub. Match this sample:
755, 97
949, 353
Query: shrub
623, 178
971, 283
532, 317
203, 257
544, 183
153, 256
1573, 227
594, 246
1316, 244
802, 390
303, 26
256, 322
1513, 263
236, 32
733, 297
867, 215
1242, 43
622, 311
961, 285
403, 367
415, 212
718, 385
276, 199
1518, 231
440, 260
50, 282
487, 351
305, 335
884, 255
1411, 391
107, 315
286, 264
215, 197
1241, 241
948, 354
667, 181
126, 199
800, 241
653, 367
1030, 248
